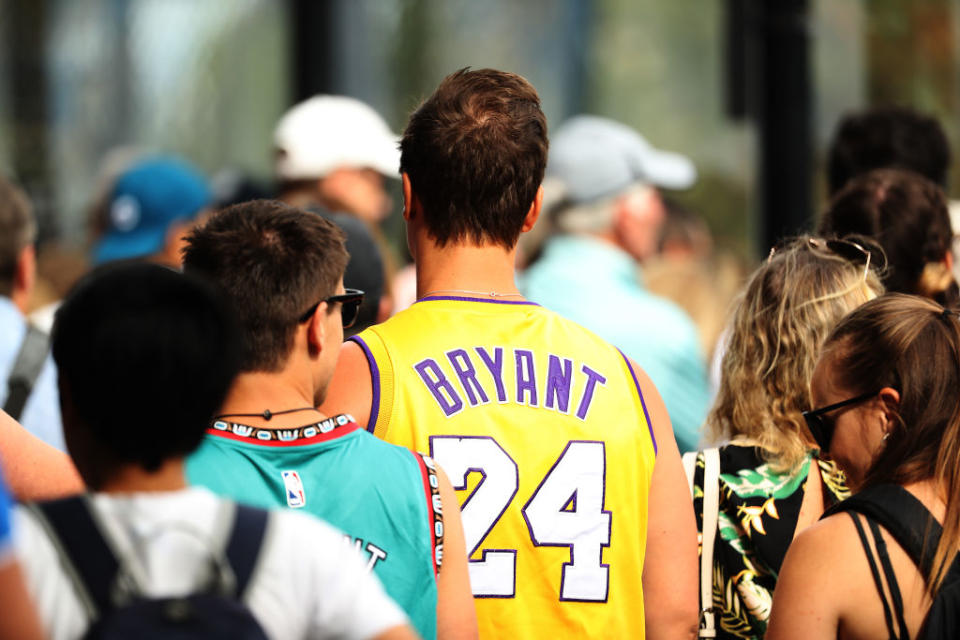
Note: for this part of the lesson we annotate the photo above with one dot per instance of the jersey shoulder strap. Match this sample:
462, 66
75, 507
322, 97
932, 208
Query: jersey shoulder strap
26, 369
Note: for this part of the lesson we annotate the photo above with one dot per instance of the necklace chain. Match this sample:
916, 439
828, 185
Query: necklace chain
266, 415
492, 294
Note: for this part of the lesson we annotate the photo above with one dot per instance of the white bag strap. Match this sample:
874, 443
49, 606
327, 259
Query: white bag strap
711, 516
690, 467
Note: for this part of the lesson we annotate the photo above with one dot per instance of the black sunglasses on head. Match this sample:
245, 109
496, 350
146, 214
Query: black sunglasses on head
854, 248
821, 429
350, 301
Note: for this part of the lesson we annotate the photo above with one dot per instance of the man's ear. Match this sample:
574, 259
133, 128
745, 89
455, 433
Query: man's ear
408, 197
534, 212
24, 277
317, 329
948, 260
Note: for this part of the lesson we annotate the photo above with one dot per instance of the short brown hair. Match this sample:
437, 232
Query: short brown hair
907, 215
17, 231
475, 152
272, 262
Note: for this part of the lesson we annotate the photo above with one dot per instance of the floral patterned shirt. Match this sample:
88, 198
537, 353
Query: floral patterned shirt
759, 509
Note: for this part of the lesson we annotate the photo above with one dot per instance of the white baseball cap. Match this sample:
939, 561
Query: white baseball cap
326, 132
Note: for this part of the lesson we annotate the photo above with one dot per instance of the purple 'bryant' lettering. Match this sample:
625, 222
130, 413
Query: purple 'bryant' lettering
495, 366
457, 380
526, 377
438, 383
593, 378
467, 374
559, 381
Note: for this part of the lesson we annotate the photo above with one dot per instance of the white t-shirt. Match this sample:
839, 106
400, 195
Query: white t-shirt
306, 584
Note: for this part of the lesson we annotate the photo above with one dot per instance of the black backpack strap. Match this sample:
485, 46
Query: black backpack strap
892, 583
26, 369
82, 548
245, 544
875, 572
905, 517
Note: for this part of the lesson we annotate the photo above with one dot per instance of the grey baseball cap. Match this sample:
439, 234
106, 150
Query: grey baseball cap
596, 157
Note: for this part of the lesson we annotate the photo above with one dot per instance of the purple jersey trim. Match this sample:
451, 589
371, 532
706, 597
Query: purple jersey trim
643, 403
467, 299
375, 381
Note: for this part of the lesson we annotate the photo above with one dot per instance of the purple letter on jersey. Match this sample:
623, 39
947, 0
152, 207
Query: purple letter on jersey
464, 369
438, 382
559, 378
495, 365
526, 380
592, 379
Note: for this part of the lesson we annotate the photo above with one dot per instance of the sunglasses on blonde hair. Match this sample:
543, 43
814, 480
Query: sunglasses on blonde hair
859, 251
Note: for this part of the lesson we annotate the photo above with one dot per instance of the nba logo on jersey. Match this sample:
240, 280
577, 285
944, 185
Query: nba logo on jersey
294, 489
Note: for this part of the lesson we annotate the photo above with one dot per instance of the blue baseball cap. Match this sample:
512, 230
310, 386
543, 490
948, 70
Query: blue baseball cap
146, 200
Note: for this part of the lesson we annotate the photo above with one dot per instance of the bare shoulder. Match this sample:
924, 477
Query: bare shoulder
33, 469
351, 388
818, 581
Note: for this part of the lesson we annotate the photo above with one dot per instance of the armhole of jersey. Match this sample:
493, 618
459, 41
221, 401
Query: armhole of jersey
646, 414
374, 384
431, 486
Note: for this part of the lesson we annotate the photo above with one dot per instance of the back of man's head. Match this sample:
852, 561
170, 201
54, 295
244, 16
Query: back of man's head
17, 231
272, 262
475, 153
145, 356
150, 203
887, 137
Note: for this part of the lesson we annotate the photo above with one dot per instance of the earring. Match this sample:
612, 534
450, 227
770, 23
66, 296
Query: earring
885, 436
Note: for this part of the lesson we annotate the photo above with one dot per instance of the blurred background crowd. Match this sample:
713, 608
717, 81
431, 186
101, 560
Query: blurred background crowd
749, 94
687, 141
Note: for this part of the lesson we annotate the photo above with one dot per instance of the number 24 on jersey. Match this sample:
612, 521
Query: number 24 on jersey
565, 510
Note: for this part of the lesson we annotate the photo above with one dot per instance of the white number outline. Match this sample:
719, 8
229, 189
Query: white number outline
459, 483
570, 545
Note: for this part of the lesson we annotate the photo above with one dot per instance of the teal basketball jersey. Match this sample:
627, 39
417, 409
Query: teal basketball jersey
384, 498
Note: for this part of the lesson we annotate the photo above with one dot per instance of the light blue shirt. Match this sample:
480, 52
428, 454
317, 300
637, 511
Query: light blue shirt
596, 284
41, 414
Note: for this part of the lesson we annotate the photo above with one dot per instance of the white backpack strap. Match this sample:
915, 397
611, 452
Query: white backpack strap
711, 515
690, 467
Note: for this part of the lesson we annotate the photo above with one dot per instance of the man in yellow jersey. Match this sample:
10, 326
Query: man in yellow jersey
576, 512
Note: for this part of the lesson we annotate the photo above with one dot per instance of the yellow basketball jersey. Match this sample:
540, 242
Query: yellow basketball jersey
541, 427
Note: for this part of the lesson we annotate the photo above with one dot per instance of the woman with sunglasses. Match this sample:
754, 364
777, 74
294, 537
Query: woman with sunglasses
884, 563
772, 481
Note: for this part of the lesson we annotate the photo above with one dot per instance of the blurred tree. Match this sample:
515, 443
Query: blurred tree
23, 31
912, 59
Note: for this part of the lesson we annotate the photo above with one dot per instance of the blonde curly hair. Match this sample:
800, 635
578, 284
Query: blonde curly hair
779, 324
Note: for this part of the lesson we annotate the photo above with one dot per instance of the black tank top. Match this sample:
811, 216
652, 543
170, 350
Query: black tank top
918, 532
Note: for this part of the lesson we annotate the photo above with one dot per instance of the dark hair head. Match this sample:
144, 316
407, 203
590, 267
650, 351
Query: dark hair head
907, 215
910, 344
475, 152
887, 137
17, 231
272, 262
145, 357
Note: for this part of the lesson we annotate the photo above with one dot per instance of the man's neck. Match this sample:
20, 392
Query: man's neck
257, 391
134, 479
466, 268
